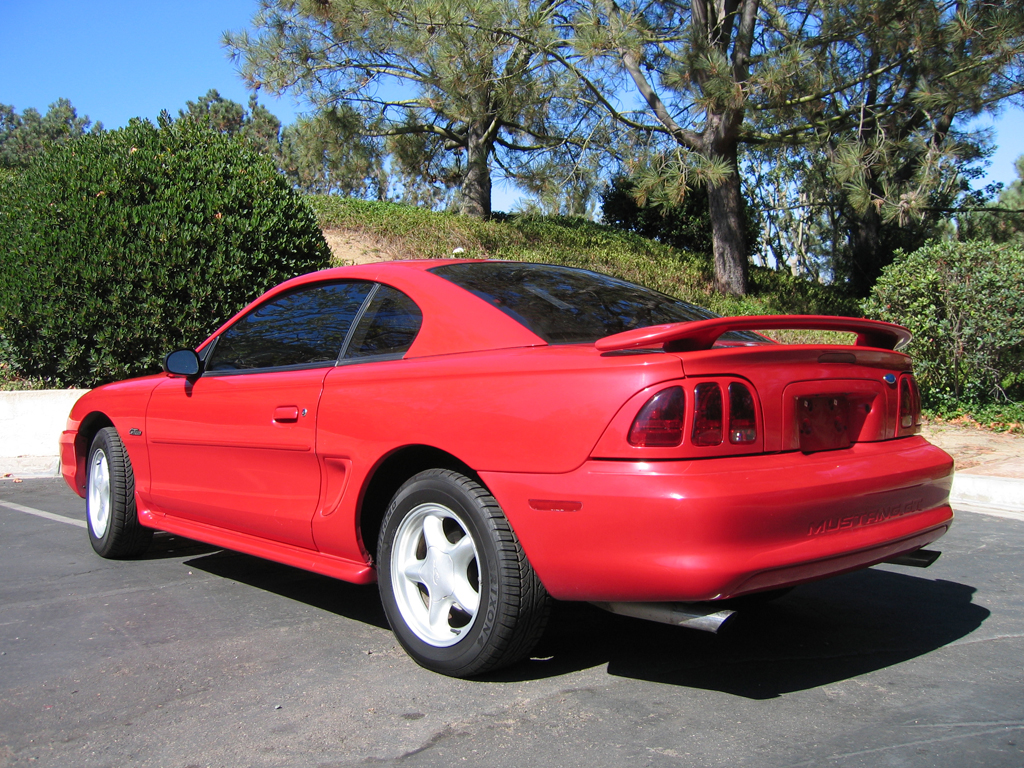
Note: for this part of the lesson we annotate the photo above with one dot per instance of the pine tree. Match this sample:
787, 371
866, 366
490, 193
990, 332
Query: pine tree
27, 135
468, 78
879, 87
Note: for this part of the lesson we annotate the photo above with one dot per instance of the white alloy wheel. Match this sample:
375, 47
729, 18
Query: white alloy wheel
114, 527
98, 500
435, 575
454, 581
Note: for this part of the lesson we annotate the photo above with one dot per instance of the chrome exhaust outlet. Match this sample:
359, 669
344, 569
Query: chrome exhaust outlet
700, 616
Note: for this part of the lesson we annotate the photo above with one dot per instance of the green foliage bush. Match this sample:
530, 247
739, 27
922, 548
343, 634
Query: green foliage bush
964, 304
686, 225
117, 248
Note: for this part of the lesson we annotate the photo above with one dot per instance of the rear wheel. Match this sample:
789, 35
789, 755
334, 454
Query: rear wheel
114, 528
457, 588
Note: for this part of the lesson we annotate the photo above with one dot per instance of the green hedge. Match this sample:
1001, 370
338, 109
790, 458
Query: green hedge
115, 249
964, 303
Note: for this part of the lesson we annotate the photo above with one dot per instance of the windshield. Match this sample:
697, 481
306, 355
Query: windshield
563, 305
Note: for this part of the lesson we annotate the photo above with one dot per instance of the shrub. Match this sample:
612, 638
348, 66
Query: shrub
115, 249
686, 225
963, 303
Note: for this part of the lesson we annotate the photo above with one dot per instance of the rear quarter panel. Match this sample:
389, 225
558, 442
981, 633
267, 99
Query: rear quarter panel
538, 409
525, 410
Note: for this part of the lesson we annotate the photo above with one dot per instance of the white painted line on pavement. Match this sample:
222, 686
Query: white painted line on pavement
42, 513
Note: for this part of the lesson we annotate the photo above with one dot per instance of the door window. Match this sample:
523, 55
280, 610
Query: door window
305, 328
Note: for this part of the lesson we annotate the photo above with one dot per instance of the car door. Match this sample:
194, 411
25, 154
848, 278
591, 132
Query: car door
349, 437
235, 448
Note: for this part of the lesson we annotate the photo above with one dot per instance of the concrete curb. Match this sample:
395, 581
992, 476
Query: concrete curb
1009, 514
981, 492
29, 466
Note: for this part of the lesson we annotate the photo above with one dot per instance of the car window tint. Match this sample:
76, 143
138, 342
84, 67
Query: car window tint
564, 305
306, 326
388, 327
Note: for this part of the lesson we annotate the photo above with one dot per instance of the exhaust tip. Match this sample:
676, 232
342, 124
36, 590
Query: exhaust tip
703, 616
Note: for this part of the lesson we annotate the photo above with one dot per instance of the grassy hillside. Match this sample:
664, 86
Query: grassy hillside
410, 232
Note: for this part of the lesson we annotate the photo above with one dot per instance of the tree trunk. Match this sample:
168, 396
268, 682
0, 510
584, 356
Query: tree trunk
476, 185
727, 236
865, 251
713, 24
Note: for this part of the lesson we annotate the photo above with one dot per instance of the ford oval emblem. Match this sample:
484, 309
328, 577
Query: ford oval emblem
889, 378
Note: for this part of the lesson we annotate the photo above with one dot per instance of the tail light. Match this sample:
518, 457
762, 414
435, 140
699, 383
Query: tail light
742, 415
710, 417
660, 422
707, 414
910, 406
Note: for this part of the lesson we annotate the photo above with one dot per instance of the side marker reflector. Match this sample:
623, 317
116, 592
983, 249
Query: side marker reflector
548, 505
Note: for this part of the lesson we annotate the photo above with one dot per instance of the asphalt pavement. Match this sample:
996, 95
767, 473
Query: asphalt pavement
194, 656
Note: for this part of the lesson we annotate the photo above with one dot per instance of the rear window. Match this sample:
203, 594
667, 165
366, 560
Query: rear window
563, 305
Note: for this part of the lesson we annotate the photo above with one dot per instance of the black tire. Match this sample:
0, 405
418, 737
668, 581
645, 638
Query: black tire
474, 550
113, 522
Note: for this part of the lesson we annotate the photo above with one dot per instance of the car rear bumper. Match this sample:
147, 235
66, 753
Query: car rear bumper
709, 529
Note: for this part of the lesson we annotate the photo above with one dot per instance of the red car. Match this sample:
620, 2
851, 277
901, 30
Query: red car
480, 437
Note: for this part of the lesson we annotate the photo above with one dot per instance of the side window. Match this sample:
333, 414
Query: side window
388, 327
304, 327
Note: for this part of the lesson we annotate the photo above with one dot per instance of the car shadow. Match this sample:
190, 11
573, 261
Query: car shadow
168, 545
818, 634
352, 601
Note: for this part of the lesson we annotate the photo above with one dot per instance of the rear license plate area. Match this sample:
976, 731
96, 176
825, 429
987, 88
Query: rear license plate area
824, 423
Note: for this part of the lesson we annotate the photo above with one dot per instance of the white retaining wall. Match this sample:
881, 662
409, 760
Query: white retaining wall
30, 426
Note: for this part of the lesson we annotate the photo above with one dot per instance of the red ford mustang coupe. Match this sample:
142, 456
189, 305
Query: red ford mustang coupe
480, 437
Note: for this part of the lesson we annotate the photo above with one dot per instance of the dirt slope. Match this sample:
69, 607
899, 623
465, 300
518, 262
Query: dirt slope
349, 247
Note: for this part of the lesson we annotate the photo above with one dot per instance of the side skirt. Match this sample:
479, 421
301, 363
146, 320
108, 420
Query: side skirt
306, 559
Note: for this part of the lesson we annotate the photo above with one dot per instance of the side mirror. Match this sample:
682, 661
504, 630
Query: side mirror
183, 362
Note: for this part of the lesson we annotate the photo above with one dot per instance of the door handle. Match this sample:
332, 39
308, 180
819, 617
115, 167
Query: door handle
286, 414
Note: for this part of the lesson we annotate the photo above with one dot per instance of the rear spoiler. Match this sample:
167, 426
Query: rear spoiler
702, 334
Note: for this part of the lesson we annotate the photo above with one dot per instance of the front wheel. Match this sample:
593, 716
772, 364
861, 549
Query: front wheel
114, 528
456, 586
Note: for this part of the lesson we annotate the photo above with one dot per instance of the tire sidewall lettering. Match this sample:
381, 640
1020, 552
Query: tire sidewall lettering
492, 603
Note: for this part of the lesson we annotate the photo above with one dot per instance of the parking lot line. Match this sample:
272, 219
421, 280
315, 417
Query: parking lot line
41, 513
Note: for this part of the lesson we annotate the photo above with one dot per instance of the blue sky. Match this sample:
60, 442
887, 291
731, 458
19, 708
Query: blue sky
116, 60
